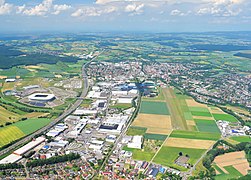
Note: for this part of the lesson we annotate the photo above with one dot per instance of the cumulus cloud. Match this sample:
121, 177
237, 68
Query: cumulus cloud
134, 8
5, 8
222, 8
39, 10
59, 8
44, 8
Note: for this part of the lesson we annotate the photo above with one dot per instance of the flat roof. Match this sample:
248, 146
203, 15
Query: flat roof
29, 146
12, 158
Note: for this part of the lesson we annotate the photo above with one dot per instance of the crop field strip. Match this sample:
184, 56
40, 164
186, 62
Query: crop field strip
9, 134
20, 129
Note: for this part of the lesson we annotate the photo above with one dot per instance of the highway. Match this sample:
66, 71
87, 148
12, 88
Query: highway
61, 117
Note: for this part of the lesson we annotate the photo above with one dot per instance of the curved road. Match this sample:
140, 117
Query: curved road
62, 116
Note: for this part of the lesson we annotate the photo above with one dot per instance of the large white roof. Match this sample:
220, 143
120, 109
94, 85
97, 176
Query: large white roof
11, 159
29, 146
41, 96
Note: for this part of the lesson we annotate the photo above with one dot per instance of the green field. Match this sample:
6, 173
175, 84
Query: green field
138, 154
150, 107
233, 174
207, 126
133, 131
199, 109
225, 117
20, 129
30, 125
9, 134
195, 135
122, 106
201, 113
167, 155
155, 136
241, 138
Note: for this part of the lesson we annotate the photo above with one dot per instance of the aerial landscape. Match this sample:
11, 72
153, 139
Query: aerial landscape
125, 89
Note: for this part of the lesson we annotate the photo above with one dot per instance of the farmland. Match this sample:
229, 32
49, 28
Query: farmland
167, 156
195, 135
231, 165
149, 107
20, 129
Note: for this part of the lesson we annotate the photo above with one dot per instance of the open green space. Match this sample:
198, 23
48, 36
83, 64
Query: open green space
122, 106
134, 130
149, 107
225, 117
207, 126
167, 155
195, 135
241, 138
30, 125
155, 136
139, 154
201, 113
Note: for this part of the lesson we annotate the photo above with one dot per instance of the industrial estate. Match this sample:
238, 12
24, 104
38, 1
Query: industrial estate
149, 106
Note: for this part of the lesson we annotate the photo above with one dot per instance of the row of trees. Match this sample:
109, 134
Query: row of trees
53, 160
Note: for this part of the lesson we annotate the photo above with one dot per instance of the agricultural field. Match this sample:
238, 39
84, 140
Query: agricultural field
9, 134
20, 129
167, 155
231, 165
241, 139
149, 107
225, 117
188, 126
195, 135
159, 124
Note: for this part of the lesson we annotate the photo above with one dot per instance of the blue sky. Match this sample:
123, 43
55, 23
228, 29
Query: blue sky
124, 15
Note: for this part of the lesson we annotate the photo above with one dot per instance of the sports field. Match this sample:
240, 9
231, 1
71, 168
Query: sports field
20, 129
149, 107
231, 165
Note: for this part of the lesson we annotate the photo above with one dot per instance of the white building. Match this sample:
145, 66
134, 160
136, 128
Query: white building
136, 142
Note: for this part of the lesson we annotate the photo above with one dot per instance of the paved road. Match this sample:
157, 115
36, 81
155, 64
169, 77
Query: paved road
61, 117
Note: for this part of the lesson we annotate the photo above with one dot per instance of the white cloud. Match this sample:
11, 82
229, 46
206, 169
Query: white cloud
20, 9
134, 8
59, 8
39, 10
5, 8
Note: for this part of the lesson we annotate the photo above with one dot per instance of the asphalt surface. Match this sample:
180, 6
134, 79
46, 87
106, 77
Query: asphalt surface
61, 117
